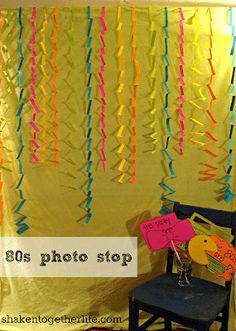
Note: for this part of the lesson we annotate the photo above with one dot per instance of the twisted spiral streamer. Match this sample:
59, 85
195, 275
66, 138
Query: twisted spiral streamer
120, 97
89, 119
43, 86
181, 80
55, 91
101, 86
134, 98
229, 195
210, 172
152, 79
22, 226
196, 102
36, 146
166, 198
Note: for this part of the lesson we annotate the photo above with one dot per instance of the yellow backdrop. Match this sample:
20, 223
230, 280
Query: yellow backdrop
56, 194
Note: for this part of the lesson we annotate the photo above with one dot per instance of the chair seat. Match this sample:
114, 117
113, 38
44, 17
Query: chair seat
202, 301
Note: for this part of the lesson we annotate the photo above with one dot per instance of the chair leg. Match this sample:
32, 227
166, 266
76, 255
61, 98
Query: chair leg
225, 318
167, 325
133, 316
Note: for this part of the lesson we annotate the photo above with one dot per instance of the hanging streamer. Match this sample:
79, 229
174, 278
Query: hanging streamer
120, 97
200, 87
181, 80
55, 74
134, 98
229, 195
210, 172
152, 79
70, 121
43, 86
32, 87
22, 227
1, 142
167, 197
101, 86
89, 120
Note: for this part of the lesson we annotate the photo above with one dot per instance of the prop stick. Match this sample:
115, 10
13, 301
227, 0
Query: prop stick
176, 253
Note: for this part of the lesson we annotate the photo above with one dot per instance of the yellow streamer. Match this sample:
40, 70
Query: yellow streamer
152, 80
209, 133
196, 103
43, 88
120, 96
134, 98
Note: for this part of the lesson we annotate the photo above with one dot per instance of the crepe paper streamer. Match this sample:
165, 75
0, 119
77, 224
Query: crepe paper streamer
43, 86
36, 146
89, 119
198, 246
223, 261
210, 172
166, 198
21, 225
181, 80
195, 102
55, 91
1, 142
166, 232
229, 195
152, 79
70, 122
120, 97
134, 99
101, 86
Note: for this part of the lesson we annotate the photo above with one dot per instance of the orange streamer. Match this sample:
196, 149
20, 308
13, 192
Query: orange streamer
120, 97
43, 87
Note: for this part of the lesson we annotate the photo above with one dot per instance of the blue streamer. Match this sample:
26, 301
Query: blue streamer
89, 120
167, 197
229, 195
22, 227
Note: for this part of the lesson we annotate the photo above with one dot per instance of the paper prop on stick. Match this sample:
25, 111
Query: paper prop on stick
223, 261
198, 246
166, 231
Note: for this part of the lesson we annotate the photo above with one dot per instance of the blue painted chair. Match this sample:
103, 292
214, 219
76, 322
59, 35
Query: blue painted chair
196, 306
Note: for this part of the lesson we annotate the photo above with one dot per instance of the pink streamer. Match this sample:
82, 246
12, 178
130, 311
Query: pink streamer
32, 87
101, 86
182, 83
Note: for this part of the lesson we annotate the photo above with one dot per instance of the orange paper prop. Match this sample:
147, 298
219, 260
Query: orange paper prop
225, 255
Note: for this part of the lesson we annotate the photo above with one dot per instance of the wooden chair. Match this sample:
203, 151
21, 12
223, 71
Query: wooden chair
196, 306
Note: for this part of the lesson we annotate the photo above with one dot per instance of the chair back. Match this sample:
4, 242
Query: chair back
221, 218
